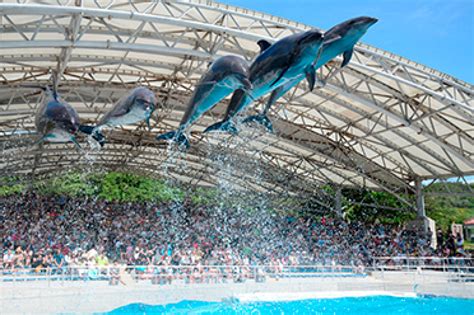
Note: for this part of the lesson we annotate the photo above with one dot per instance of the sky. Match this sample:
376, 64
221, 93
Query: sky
436, 33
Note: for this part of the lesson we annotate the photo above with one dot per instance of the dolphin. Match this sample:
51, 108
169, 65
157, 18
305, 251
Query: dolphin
340, 39
56, 120
275, 66
225, 75
133, 107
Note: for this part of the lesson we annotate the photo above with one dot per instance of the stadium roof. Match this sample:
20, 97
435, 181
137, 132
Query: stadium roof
382, 122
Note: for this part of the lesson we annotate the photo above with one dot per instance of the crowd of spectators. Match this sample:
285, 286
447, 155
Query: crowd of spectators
41, 232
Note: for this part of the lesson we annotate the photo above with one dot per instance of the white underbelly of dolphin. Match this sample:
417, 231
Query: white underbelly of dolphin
265, 84
217, 94
58, 135
135, 115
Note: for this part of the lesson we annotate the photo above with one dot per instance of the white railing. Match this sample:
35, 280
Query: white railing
160, 274
459, 268
441, 270
407, 263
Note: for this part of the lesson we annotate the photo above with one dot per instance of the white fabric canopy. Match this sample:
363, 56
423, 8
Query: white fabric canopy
381, 122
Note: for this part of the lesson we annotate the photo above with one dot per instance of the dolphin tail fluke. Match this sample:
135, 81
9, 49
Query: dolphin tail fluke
223, 126
94, 133
261, 119
175, 136
167, 136
99, 137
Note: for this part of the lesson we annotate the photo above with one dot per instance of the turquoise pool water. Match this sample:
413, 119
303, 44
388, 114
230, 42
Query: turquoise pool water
354, 306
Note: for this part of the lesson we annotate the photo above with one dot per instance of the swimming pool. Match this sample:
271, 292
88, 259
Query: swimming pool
350, 305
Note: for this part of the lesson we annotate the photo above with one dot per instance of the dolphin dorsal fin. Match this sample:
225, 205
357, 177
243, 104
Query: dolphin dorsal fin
263, 44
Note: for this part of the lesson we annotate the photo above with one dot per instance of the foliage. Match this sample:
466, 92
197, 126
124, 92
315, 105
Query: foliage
117, 186
73, 184
384, 210
358, 205
10, 186
385, 216
7, 190
469, 246
445, 204
204, 196
130, 187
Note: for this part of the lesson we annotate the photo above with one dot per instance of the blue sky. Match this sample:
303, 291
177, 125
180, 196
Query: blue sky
436, 33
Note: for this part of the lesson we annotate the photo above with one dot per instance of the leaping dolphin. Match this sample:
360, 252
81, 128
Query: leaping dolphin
275, 66
340, 39
56, 120
136, 106
225, 75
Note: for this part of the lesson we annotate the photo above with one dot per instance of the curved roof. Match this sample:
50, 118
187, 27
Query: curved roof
381, 122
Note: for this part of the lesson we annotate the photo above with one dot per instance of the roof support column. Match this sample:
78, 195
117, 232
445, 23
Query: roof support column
338, 202
420, 203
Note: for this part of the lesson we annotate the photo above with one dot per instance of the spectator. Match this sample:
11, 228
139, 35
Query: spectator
58, 261
48, 232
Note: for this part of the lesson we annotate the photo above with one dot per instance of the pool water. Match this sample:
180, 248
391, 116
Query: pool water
364, 305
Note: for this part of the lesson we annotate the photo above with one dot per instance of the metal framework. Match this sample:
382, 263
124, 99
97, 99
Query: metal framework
384, 122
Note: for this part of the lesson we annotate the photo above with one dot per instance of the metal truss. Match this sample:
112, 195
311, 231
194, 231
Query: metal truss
383, 122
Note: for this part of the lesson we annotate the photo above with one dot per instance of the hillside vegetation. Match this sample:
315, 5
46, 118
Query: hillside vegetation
358, 205
449, 205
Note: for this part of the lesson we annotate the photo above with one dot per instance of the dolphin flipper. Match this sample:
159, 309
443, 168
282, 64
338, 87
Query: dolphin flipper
281, 74
74, 140
277, 93
347, 57
261, 119
311, 77
176, 136
290, 61
223, 126
287, 66
148, 123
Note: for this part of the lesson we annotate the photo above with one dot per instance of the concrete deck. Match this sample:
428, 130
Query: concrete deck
42, 297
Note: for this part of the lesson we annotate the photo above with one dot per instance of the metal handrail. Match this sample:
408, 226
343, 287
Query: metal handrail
423, 257
166, 274
96, 272
409, 262
267, 266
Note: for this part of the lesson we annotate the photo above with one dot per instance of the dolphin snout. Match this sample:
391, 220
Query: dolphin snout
372, 21
366, 20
